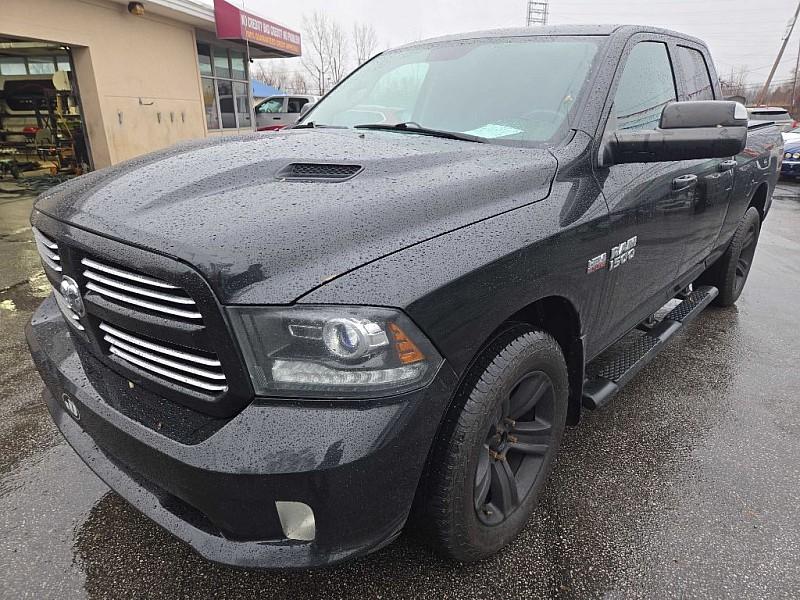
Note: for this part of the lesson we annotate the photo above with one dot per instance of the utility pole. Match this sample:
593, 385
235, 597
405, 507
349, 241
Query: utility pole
789, 29
794, 84
537, 13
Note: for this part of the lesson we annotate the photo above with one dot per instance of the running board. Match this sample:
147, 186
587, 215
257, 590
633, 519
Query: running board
615, 367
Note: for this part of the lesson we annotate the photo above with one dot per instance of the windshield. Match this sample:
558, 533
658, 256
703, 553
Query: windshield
509, 90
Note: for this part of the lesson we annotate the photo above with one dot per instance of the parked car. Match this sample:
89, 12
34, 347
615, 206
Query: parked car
791, 135
276, 112
790, 167
780, 116
315, 337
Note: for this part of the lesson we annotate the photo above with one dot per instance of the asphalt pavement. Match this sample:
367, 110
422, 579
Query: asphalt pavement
686, 485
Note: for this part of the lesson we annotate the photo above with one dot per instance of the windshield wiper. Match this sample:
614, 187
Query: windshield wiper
312, 125
416, 128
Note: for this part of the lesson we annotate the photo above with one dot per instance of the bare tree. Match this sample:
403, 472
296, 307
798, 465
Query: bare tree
337, 50
315, 57
316, 60
325, 57
271, 75
365, 42
299, 84
736, 83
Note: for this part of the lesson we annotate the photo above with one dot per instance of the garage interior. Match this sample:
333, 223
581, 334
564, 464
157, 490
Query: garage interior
42, 134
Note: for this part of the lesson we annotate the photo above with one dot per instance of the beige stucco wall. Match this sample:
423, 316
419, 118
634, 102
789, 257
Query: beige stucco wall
130, 71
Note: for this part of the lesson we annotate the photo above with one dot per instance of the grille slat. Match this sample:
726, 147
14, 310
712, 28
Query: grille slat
166, 372
138, 277
142, 303
150, 345
135, 289
115, 343
178, 365
131, 287
48, 250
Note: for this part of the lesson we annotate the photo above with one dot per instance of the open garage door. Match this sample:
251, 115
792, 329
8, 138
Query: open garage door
42, 131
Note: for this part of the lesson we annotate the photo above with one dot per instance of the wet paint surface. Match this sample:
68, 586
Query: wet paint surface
686, 485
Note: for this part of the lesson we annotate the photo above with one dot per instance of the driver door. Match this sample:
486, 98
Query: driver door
649, 203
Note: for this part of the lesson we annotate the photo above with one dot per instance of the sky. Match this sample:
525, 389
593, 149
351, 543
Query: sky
738, 32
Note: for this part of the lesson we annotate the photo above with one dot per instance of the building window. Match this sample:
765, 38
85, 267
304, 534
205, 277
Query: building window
237, 65
210, 104
226, 89
242, 104
204, 58
41, 65
12, 65
33, 65
225, 93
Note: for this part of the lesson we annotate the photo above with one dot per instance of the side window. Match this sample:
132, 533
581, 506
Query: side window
647, 85
697, 80
296, 104
273, 105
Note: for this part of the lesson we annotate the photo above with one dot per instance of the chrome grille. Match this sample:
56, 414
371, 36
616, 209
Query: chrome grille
173, 362
48, 250
130, 287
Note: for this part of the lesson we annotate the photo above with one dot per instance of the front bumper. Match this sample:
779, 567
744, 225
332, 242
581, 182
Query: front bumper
356, 465
790, 168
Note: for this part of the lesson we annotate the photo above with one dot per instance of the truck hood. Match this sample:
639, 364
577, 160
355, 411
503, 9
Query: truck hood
218, 205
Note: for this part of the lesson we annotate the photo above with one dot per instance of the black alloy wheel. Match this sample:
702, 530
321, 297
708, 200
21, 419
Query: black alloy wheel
518, 441
729, 273
746, 255
497, 446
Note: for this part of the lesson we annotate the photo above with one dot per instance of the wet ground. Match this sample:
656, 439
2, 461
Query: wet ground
687, 485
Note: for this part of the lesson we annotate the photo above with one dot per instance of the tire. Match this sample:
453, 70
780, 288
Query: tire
466, 516
729, 273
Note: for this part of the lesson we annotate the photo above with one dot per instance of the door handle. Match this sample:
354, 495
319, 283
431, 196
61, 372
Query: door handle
726, 165
276, 118
683, 181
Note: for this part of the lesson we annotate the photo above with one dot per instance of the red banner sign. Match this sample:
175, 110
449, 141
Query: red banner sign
235, 24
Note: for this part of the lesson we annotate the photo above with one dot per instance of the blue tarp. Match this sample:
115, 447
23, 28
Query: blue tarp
262, 90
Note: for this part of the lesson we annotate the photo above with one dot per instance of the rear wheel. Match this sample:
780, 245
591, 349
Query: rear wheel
729, 273
498, 448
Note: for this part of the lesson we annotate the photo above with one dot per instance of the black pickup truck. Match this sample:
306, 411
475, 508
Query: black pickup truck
284, 347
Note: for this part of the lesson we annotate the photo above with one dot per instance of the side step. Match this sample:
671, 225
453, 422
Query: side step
615, 367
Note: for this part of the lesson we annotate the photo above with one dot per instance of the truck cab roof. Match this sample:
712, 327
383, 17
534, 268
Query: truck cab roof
620, 30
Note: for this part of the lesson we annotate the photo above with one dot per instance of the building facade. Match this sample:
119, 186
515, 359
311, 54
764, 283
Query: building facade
148, 74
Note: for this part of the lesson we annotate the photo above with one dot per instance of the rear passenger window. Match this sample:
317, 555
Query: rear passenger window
697, 80
646, 87
296, 104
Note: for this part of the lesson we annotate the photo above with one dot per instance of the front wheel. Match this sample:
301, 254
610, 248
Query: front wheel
729, 273
498, 448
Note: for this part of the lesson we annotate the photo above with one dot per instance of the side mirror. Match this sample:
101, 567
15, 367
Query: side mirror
306, 107
688, 130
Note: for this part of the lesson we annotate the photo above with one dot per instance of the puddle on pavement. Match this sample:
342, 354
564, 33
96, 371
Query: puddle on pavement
25, 296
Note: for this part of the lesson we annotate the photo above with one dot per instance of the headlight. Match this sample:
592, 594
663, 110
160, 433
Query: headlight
333, 351
796, 155
787, 155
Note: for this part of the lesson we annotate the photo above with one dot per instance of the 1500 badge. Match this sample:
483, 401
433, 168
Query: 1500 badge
620, 254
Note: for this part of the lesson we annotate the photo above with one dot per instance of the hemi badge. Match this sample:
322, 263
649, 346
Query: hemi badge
597, 263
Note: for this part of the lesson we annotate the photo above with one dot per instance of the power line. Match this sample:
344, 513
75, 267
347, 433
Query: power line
786, 37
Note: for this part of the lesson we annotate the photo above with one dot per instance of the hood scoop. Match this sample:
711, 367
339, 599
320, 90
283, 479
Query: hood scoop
318, 172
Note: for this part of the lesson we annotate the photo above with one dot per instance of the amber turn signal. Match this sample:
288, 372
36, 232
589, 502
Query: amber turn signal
407, 351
